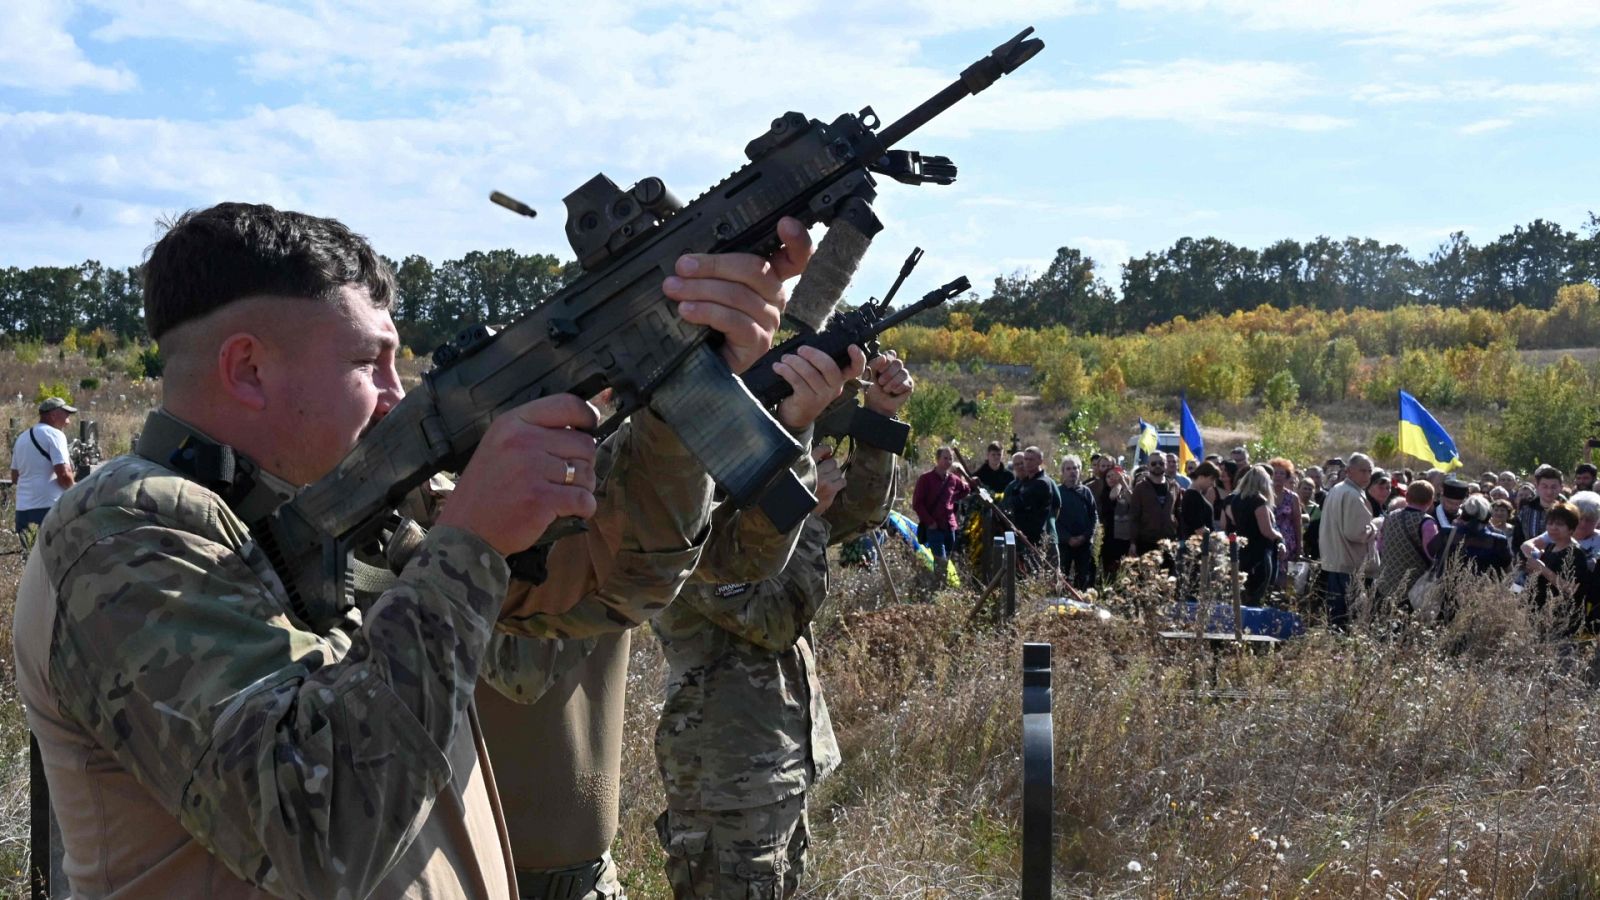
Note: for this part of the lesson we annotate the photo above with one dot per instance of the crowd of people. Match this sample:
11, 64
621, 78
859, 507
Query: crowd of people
1317, 533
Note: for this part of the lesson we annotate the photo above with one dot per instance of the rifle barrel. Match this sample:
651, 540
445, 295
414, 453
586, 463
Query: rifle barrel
929, 300
1004, 60
905, 272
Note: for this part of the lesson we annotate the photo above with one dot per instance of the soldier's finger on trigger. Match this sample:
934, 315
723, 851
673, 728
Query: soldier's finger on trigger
559, 411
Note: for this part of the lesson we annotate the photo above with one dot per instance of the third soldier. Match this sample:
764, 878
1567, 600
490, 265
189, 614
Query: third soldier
745, 732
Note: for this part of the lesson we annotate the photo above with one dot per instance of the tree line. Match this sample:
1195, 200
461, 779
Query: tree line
1194, 277
1199, 276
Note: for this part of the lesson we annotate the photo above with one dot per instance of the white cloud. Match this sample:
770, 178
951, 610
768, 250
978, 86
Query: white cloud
1483, 126
1188, 91
1456, 27
37, 53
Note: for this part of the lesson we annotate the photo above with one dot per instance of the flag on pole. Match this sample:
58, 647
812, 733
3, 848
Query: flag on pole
1147, 437
1422, 436
1190, 446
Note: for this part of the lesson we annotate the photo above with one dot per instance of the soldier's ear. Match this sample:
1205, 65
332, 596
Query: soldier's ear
239, 360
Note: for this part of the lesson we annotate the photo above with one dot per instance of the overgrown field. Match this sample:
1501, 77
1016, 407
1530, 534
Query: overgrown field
1513, 388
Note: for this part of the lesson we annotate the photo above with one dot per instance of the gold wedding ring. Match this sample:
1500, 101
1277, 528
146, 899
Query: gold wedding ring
572, 473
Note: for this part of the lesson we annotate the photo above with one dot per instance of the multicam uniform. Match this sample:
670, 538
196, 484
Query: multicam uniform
745, 731
558, 737
202, 739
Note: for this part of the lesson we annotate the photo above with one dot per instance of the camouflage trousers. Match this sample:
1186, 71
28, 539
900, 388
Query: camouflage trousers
558, 884
736, 854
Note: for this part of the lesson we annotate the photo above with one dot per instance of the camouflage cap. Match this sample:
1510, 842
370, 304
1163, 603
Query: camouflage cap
54, 403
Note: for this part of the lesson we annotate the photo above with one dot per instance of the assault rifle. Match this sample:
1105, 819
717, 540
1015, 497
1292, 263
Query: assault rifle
613, 328
858, 327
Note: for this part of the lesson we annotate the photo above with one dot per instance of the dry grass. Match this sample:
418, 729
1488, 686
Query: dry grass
13, 730
1455, 762
1459, 762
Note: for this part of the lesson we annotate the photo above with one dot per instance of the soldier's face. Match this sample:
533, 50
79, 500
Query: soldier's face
339, 382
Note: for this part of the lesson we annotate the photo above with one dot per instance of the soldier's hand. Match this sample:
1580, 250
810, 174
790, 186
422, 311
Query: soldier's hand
830, 478
891, 384
817, 381
534, 464
740, 294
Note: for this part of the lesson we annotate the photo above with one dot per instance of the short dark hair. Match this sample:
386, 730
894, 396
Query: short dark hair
995, 446
212, 257
1546, 471
1586, 469
1206, 469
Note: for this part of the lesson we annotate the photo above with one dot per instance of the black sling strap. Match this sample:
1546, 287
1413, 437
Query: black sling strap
36, 446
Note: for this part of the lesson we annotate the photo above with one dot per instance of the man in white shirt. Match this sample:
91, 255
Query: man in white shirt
41, 467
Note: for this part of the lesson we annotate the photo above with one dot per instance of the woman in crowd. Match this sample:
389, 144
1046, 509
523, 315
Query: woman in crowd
1559, 576
1116, 521
1378, 493
1227, 477
1500, 515
1198, 510
1249, 516
1286, 512
1307, 490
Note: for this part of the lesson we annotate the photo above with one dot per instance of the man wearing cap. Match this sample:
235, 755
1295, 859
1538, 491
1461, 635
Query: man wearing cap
1450, 504
40, 465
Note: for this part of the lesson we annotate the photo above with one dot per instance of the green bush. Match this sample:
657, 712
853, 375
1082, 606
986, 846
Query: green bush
1281, 390
1287, 431
1062, 378
931, 413
28, 351
993, 413
53, 389
1385, 447
90, 383
1547, 419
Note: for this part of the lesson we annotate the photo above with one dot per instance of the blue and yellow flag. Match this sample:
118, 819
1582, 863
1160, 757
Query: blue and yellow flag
1148, 437
1422, 436
1190, 446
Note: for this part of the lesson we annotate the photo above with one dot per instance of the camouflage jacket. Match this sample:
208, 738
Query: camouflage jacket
744, 723
334, 763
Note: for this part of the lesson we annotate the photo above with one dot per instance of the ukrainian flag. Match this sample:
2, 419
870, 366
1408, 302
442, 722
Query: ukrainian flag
1422, 436
1148, 437
1190, 446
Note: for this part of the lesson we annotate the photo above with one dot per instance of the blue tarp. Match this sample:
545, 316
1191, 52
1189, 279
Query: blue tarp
1263, 620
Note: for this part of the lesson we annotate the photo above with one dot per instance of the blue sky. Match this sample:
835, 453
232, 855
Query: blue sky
1143, 121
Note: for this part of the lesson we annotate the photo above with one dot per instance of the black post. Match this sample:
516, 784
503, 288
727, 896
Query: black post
38, 825
1038, 773
1009, 585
